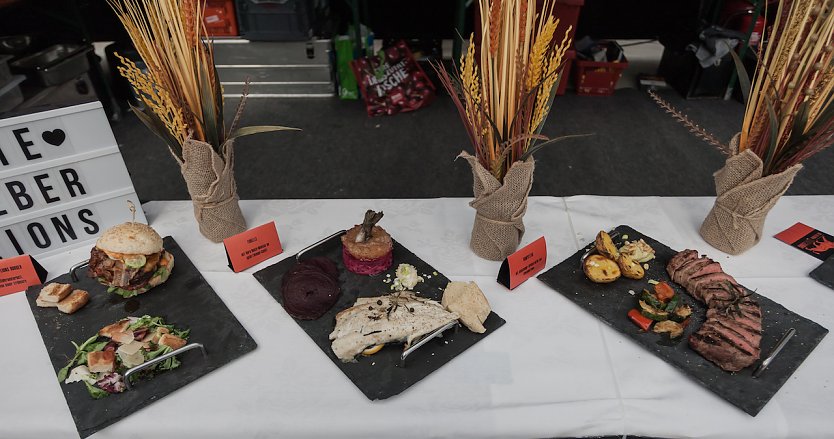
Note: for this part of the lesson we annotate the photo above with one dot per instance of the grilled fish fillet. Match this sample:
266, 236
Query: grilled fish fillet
398, 317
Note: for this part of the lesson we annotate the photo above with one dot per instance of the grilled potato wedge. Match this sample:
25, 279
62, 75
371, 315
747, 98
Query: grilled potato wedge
630, 268
605, 246
600, 269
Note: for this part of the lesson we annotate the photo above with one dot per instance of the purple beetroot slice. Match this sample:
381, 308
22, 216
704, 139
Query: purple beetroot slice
310, 296
325, 264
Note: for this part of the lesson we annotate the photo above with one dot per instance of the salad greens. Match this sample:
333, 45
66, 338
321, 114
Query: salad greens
146, 330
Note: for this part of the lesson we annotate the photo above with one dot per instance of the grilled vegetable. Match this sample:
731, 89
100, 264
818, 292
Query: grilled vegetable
638, 250
605, 246
672, 304
681, 313
674, 329
640, 320
649, 297
653, 313
600, 269
630, 269
663, 291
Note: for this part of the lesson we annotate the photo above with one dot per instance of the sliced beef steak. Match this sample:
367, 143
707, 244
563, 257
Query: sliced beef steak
679, 260
732, 334
684, 273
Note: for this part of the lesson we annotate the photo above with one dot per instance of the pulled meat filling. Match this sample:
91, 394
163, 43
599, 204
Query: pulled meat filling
115, 273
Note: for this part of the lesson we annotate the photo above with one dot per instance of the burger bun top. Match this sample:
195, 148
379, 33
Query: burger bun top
130, 238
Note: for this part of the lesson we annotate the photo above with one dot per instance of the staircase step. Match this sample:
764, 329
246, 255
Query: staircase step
279, 89
245, 52
274, 73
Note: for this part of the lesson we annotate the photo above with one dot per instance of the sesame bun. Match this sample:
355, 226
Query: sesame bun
130, 238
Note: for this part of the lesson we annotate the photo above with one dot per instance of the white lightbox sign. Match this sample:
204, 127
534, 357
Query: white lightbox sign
62, 181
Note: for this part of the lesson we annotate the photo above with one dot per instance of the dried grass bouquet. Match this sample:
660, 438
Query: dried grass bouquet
788, 118
503, 92
182, 103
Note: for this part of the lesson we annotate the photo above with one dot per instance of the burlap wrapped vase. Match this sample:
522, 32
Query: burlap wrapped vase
744, 198
211, 184
500, 208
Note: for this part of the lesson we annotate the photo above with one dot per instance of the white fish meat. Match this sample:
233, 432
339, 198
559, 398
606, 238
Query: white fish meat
398, 317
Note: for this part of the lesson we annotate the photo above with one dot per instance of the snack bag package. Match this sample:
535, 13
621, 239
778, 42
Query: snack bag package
392, 81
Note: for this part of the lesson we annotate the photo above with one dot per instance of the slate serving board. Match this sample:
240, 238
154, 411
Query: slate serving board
383, 374
611, 302
186, 300
824, 274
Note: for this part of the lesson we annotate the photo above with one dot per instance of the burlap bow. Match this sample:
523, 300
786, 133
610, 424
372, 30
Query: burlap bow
500, 208
743, 201
212, 187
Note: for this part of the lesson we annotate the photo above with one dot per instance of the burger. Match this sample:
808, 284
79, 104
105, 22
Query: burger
129, 259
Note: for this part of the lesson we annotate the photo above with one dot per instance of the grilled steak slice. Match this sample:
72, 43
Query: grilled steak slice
679, 260
731, 337
696, 285
711, 268
684, 274
718, 296
717, 348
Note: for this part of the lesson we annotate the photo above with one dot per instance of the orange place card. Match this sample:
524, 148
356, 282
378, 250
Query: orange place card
523, 264
19, 273
808, 239
252, 247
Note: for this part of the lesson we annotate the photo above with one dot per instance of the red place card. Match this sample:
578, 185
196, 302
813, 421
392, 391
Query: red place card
252, 247
808, 239
523, 264
19, 273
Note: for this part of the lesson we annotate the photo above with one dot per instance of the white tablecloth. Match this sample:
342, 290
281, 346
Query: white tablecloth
552, 370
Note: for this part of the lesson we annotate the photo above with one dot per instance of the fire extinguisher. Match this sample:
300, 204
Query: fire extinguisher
737, 15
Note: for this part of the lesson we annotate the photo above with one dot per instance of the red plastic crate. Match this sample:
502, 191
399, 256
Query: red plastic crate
567, 11
570, 55
597, 78
220, 19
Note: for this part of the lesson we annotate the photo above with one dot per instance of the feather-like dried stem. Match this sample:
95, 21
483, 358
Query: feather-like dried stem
693, 128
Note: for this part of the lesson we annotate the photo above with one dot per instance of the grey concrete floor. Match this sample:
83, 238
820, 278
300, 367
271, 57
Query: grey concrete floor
635, 149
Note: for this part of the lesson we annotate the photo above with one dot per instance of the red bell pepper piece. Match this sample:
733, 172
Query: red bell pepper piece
663, 292
640, 320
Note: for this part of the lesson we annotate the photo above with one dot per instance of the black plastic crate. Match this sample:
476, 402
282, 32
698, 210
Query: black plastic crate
681, 70
273, 20
56, 64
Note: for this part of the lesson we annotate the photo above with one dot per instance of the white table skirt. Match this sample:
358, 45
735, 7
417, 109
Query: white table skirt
552, 370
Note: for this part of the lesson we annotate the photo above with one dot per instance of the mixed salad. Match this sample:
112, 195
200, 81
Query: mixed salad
101, 361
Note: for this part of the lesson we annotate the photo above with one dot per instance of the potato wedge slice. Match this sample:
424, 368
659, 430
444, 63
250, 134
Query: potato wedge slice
630, 268
605, 246
600, 269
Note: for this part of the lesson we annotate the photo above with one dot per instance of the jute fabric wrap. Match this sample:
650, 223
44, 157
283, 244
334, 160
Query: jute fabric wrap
744, 198
499, 208
213, 191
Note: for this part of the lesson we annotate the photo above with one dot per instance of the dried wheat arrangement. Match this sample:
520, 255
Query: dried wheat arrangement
504, 93
180, 89
789, 116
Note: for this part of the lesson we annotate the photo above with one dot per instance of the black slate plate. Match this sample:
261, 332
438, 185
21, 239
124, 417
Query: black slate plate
186, 300
611, 302
824, 274
381, 375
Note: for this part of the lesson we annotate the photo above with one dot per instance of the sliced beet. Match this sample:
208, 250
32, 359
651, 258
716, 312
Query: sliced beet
309, 293
324, 264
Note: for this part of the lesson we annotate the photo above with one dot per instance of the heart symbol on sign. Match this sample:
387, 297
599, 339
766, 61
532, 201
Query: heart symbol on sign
55, 137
